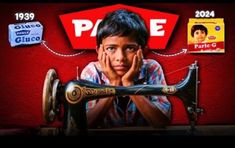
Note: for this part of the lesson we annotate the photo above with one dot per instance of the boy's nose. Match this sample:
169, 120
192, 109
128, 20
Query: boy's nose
120, 55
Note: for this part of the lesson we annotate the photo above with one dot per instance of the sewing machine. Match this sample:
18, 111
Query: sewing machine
73, 95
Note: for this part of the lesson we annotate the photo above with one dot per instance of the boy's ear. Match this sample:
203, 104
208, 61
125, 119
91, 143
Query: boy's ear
97, 49
145, 50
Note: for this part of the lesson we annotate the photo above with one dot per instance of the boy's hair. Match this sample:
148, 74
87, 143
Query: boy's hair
198, 27
123, 23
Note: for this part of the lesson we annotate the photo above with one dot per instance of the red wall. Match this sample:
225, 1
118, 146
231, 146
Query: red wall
23, 69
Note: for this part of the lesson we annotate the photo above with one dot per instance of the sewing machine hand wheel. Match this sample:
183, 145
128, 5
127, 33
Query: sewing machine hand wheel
49, 102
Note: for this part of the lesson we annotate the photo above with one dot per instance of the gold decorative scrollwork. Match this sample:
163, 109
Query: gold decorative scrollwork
94, 92
76, 93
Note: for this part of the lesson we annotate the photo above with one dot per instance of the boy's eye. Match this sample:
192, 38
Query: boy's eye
110, 49
131, 49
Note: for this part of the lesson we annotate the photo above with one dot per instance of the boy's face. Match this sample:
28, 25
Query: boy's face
121, 51
199, 36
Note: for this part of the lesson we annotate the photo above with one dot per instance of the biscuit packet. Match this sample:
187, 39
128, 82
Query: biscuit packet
25, 33
206, 35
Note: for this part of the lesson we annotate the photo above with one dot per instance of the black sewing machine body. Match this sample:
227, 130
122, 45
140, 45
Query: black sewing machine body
75, 93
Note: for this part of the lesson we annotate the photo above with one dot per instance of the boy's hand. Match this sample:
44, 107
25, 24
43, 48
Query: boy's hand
107, 68
128, 78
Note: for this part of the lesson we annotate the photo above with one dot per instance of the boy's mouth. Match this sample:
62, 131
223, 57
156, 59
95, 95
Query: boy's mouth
120, 67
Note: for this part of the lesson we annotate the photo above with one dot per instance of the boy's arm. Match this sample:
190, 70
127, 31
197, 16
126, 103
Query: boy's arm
98, 112
151, 113
147, 108
98, 109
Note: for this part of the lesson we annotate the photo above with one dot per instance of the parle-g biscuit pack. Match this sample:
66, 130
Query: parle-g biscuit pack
206, 35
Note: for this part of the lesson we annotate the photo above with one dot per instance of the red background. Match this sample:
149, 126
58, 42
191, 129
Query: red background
23, 69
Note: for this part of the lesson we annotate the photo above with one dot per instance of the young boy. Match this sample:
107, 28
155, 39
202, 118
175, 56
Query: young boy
121, 38
199, 33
